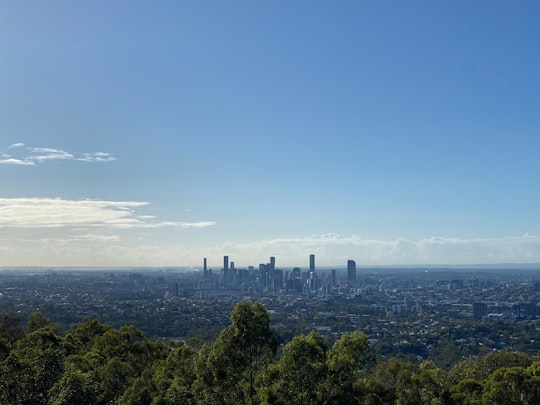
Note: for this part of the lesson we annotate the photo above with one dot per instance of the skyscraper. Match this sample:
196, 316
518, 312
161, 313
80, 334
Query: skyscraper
351, 272
311, 263
205, 269
271, 274
226, 269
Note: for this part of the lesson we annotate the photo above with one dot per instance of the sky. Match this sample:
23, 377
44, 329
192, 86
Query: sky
136, 133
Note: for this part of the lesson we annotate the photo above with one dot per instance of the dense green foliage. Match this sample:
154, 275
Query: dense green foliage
95, 363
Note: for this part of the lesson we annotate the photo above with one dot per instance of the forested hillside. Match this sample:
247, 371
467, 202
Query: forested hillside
95, 363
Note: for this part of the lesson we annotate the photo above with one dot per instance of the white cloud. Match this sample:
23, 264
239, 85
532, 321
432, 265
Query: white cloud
18, 162
39, 213
201, 224
335, 249
30, 156
100, 247
184, 225
91, 238
42, 154
97, 157
59, 232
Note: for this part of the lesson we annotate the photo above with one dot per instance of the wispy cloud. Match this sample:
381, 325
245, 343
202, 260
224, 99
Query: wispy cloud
96, 157
37, 213
22, 155
8, 160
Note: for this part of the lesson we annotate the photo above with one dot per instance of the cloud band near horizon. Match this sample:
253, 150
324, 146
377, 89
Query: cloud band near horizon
55, 231
332, 249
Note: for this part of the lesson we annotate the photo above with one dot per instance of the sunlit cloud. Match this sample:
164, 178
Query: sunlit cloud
60, 232
7, 160
39, 213
22, 155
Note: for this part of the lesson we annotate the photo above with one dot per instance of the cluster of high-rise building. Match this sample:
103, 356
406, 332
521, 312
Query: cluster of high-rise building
267, 277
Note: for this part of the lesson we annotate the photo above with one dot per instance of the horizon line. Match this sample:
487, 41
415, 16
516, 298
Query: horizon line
326, 267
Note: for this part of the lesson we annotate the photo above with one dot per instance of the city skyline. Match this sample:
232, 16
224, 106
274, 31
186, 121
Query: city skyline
136, 134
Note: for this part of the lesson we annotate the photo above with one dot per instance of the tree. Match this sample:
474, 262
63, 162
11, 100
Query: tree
174, 377
534, 375
228, 368
74, 387
112, 379
345, 361
32, 368
393, 383
432, 383
10, 330
486, 365
81, 337
508, 386
36, 320
206, 387
467, 392
299, 372
140, 392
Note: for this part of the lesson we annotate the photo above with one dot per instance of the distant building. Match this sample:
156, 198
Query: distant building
351, 272
297, 273
334, 278
271, 268
225, 269
311, 263
205, 269
479, 310
455, 285
278, 279
525, 310
312, 281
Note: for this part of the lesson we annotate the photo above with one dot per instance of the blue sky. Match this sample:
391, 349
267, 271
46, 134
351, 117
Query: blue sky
156, 134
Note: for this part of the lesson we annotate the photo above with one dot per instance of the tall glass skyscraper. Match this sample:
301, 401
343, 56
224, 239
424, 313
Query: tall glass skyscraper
351, 272
226, 277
